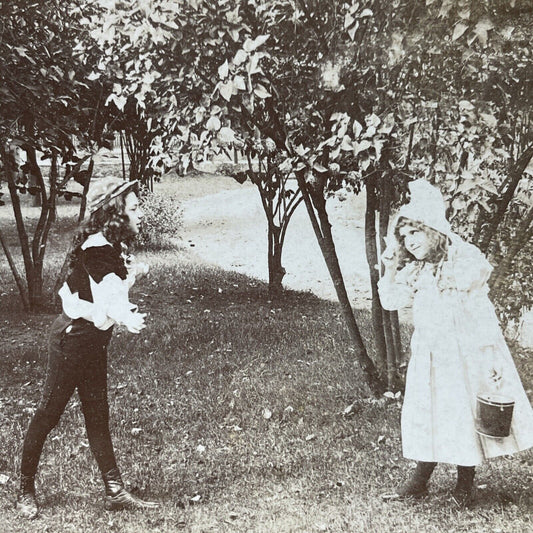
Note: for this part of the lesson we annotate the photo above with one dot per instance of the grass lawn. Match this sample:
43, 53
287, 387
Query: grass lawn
238, 414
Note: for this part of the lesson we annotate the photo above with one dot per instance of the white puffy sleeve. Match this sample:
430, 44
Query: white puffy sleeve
396, 293
471, 268
110, 298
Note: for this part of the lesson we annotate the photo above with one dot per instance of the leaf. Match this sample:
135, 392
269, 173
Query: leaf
119, 101
348, 20
372, 120
240, 57
253, 65
378, 146
458, 204
465, 105
459, 29
226, 135
366, 13
353, 30
250, 46
226, 90
346, 144
445, 8
239, 83
267, 414
387, 125
260, 40
350, 410
357, 128
213, 124
223, 70
489, 187
490, 120
261, 91
361, 147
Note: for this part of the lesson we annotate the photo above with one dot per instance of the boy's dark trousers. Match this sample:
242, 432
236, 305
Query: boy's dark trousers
77, 359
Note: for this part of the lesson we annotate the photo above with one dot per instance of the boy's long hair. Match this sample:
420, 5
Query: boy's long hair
111, 220
439, 243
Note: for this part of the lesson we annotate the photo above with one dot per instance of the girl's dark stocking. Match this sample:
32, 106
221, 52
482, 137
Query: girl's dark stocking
462, 493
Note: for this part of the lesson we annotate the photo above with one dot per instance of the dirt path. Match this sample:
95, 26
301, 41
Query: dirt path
228, 228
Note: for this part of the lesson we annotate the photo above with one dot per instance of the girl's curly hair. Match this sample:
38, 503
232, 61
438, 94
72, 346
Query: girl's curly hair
439, 242
111, 220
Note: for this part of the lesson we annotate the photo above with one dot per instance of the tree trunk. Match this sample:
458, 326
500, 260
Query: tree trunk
62, 276
522, 236
322, 229
391, 355
389, 325
373, 266
276, 272
18, 280
515, 175
19, 220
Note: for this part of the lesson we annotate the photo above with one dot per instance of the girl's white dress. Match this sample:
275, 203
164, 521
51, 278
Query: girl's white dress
456, 331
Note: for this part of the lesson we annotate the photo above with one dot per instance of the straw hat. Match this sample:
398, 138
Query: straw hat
104, 190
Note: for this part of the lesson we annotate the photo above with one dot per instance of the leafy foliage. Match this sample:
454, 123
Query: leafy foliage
161, 222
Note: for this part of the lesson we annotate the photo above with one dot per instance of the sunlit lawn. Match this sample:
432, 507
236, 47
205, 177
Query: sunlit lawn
234, 412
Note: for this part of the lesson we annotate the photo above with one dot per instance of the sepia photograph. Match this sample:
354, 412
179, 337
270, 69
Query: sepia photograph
265, 266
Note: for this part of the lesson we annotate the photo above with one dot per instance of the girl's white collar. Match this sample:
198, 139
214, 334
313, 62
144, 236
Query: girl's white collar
96, 239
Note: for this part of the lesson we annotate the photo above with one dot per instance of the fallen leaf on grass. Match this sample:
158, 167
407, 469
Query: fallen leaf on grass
349, 411
267, 414
196, 498
136, 431
3, 479
310, 437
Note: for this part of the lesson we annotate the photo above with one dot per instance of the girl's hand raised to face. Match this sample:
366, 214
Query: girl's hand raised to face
391, 258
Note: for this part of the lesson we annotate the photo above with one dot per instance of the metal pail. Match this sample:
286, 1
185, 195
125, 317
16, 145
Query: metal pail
494, 413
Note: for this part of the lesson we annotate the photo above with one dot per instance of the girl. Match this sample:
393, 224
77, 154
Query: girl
94, 299
457, 348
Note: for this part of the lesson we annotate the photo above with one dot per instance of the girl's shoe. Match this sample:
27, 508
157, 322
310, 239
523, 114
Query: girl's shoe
26, 505
117, 497
463, 497
463, 494
416, 486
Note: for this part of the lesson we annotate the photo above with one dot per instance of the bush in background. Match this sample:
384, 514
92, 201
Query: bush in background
162, 221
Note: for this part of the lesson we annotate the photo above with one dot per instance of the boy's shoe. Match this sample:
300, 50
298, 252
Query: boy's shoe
117, 497
26, 505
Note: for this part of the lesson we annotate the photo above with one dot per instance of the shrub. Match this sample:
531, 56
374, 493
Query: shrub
161, 223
